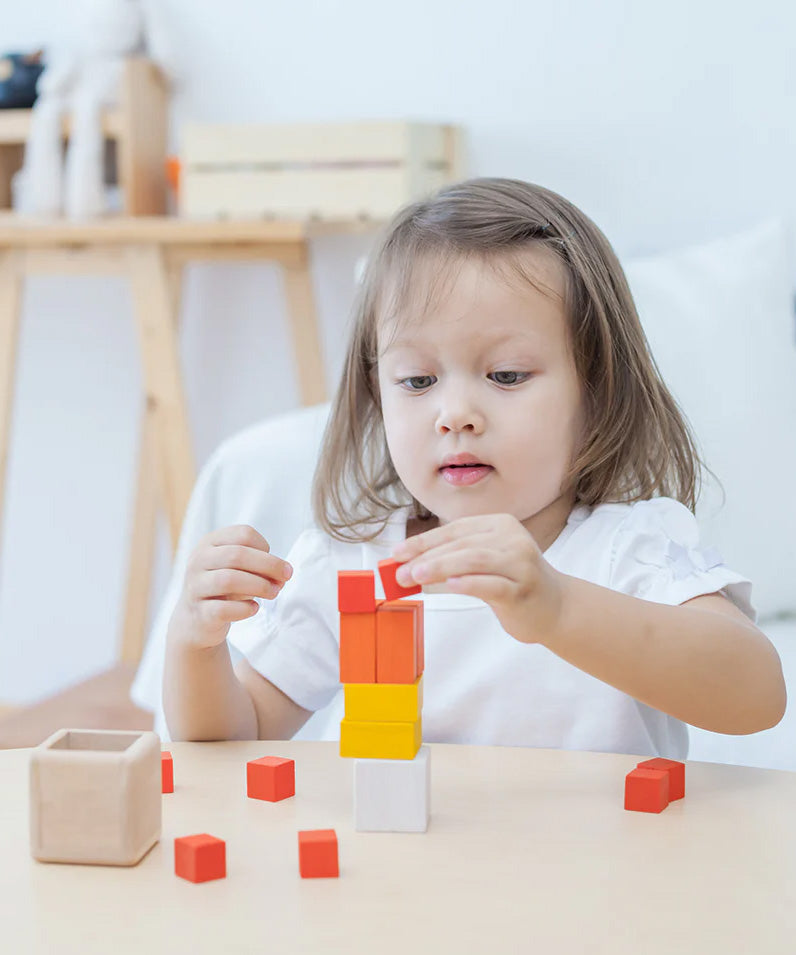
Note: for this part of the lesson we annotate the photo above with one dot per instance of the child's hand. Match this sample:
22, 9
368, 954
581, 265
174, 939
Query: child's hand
493, 557
228, 568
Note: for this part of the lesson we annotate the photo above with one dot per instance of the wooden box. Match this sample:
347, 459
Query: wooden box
95, 796
326, 170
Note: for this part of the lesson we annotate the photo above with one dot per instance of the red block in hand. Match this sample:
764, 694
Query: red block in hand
647, 790
676, 771
271, 778
318, 854
200, 858
166, 772
392, 589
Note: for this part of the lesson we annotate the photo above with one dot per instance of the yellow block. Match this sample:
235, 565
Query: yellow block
384, 702
368, 740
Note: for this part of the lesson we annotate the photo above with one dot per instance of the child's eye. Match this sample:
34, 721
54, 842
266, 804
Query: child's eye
418, 382
509, 377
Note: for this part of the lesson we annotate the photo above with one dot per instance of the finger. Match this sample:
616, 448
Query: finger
242, 534
239, 557
405, 572
215, 584
225, 611
459, 562
487, 587
407, 549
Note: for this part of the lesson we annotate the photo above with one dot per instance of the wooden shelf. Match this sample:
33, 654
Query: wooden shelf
15, 125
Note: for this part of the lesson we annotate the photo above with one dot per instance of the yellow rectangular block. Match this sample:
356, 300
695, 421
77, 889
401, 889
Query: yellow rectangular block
369, 740
384, 702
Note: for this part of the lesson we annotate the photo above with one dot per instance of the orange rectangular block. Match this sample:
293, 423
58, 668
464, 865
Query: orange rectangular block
358, 647
392, 589
421, 661
397, 631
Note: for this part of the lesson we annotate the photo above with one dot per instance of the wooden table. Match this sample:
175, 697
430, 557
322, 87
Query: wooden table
527, 851
151, 252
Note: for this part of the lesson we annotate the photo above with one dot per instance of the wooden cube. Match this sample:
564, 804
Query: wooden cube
647, 790
167, 772
271, 778
95, 796
393, 795
392, 589
318, 857
384, 702
356, 591
200, 858
358, 647
398, 630
676, 771
371, 740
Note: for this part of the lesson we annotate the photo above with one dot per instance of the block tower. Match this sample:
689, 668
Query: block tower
381, 669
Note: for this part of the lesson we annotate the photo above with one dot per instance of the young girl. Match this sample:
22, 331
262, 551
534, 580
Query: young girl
502, 428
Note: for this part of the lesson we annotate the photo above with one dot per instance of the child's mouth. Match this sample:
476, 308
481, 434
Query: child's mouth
465, 474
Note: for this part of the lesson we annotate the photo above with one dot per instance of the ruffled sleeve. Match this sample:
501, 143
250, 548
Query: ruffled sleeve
290, 641
657, 555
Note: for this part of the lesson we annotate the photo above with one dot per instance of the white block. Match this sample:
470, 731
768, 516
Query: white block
393, 795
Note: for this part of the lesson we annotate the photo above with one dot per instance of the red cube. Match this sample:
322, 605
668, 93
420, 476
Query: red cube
647, 790
356, 591
271, 778
318, 854
392, 589
166, 772
676, 771
200, 858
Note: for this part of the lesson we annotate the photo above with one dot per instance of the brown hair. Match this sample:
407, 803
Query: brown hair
637, 442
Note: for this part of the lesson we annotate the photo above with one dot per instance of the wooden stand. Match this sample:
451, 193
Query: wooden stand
151, 252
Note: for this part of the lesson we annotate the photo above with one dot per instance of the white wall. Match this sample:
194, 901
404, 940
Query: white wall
667, 123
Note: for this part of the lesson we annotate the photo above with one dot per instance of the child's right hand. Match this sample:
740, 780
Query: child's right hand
228, 568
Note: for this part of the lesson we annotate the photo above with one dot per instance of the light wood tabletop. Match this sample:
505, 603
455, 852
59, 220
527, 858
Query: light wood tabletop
527, 851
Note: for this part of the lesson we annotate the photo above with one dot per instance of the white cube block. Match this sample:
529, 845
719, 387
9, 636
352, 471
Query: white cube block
393, 795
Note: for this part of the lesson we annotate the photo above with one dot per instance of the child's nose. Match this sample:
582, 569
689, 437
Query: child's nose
458, 413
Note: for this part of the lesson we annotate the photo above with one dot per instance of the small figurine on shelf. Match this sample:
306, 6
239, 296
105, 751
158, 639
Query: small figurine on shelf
81, 83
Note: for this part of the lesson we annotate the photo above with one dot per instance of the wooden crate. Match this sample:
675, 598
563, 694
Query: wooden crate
326, 170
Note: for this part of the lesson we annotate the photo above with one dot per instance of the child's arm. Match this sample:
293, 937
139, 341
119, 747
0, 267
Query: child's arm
204, 698
702, 662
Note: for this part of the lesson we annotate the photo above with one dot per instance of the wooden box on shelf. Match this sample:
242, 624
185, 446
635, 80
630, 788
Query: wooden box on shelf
137, 130
324, 170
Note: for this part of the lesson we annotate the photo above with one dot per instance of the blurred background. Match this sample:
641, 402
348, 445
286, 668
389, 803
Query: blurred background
672, 126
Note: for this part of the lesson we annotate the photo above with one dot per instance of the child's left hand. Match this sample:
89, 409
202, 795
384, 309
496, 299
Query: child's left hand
493, 557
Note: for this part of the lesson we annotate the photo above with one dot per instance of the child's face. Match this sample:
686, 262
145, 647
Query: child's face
487, 373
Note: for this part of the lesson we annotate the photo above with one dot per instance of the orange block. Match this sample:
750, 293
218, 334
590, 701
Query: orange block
318, 854
358, 647
647, 790
271, 778
676, 771
166, 772
397, 629
421, 653
356, 591
392, 589
200, 858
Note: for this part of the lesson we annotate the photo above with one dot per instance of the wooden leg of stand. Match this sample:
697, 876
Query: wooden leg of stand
305, 330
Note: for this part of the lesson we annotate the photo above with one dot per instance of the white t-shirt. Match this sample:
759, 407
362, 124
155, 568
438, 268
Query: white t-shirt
481, 685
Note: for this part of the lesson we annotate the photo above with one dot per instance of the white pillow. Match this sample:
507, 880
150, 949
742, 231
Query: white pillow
720, 322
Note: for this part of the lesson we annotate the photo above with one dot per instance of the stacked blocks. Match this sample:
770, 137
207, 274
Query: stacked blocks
381, 667
271, 778
200, 858
653, 784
